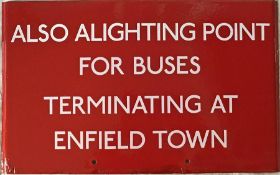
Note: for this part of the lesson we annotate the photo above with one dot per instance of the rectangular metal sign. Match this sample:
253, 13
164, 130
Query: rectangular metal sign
140, 86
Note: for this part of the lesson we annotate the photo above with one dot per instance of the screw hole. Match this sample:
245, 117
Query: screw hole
187, 161
94, 162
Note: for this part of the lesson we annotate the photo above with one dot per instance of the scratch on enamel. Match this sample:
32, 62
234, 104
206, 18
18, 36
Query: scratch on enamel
6, 169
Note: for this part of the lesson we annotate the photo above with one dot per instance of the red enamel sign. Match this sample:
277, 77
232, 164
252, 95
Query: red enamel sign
140, 87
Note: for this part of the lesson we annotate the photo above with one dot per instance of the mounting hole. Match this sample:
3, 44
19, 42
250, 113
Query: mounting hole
94, 162
187, 161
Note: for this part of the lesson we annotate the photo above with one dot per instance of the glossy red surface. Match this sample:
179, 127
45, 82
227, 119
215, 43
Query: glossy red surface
35, 70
